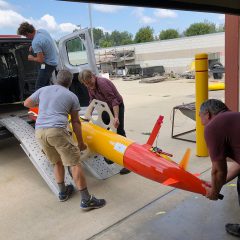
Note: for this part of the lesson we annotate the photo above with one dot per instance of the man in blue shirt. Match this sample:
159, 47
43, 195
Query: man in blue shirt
45, 49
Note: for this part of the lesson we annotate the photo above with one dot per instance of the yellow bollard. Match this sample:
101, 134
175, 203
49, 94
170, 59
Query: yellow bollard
201, 78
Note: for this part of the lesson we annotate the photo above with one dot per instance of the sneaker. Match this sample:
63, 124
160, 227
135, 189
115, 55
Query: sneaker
63, 196
233, 229
92, 203
124, 171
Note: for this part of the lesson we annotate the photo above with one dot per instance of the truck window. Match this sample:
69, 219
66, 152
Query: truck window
76, 51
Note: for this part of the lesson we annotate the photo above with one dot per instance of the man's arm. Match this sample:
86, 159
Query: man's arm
219, 176
76, 124
29, 103
39, 58
233, 171
116, 114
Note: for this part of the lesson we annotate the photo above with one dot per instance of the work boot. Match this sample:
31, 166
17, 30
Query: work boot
124, 171
233, 229
64, 196
92, 203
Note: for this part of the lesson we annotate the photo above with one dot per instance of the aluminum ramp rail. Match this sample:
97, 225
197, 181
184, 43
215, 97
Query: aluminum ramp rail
26, 136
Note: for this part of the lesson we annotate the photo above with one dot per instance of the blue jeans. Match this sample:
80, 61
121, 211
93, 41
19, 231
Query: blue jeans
44, 76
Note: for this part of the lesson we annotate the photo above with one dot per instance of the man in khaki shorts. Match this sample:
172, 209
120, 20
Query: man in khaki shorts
55, 103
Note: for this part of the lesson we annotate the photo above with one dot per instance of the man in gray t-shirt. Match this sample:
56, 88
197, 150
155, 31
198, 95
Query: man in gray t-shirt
45, 49
55, 104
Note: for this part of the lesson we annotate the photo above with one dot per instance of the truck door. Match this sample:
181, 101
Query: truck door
75, 54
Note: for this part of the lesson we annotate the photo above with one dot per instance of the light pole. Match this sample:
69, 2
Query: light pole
90, 19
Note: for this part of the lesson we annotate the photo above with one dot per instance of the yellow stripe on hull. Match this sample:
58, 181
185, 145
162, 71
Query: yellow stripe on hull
104, 142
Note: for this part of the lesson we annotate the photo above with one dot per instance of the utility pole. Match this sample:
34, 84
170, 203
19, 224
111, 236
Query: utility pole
90, 20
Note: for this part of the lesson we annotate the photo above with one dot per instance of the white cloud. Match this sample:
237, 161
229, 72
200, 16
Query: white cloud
107, 8
104, 29
50, 20
165, 13
139, 13
49, 23
11, 19
8, 17
4, 5
147, 20
67, 27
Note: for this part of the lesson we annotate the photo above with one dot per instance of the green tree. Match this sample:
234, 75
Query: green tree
98, 34
126, 38
120, 38
106, 41
168, 34
144, 34
116, 38
200, 29
74, 45
221, 28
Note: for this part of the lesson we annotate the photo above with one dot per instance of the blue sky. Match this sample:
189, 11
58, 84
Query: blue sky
60, 18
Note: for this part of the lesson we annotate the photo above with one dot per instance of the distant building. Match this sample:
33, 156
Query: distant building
175, 55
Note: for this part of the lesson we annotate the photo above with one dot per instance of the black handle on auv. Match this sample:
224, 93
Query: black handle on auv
220, 196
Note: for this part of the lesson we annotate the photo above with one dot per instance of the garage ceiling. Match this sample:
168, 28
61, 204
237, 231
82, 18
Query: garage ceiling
216, 6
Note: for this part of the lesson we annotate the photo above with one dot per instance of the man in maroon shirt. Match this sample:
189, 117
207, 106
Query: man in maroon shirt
222, 135
104, 90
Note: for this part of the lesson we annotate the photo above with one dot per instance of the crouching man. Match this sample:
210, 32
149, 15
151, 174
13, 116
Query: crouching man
222, 135
55, 103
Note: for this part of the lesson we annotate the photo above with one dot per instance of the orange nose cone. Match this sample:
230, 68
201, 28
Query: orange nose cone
140, 160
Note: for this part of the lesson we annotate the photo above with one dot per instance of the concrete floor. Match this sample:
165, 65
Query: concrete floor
179, 215
136, 208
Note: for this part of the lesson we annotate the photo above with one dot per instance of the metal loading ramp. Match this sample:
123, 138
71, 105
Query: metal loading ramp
25, 134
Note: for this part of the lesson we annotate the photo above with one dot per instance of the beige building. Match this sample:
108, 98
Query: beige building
175, 54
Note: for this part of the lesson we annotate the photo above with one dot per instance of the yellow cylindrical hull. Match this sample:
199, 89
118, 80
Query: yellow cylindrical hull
104, 142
